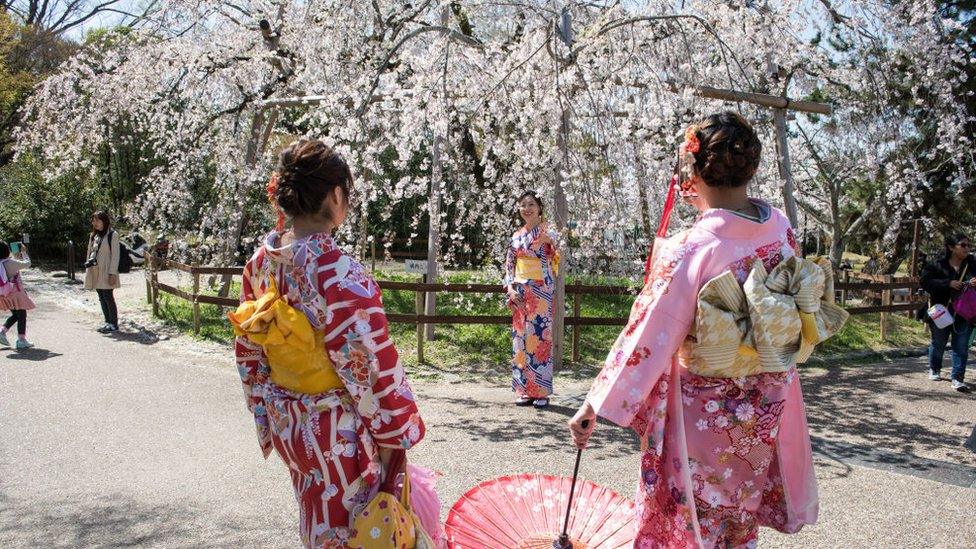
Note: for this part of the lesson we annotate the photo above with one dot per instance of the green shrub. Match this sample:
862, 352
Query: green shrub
52, 211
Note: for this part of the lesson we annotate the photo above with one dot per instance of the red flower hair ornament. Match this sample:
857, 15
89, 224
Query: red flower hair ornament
272, 190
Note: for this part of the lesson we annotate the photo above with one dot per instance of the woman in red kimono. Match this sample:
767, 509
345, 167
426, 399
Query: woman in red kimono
333, 401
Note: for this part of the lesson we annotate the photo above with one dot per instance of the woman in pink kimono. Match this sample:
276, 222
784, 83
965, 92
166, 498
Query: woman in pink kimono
705, 371
320, 373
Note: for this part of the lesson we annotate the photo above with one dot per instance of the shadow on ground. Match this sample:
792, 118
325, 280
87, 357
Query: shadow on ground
113, 522
871, 407
35, 354
142, 335
870, 415
547, 434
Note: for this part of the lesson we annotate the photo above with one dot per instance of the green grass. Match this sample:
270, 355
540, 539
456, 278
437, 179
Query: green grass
863, 333
178, 312
484, 351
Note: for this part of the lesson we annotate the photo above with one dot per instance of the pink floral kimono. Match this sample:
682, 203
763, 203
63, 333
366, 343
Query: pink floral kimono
720, 455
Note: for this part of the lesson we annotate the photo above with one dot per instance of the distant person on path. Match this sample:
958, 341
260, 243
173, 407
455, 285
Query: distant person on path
705, 371
944, 279
13, 296
320, 372
531, 266
102, 268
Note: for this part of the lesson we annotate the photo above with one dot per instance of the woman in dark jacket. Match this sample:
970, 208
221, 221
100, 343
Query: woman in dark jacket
943, 280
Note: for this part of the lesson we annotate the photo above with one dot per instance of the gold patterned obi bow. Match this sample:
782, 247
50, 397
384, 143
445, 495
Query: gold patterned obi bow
767, 325
295, 350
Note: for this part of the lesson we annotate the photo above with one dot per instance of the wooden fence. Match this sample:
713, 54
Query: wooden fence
882, 288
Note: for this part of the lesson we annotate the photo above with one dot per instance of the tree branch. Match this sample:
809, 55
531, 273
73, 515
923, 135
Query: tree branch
385, 64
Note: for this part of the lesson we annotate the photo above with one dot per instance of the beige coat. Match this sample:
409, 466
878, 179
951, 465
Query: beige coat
96, 278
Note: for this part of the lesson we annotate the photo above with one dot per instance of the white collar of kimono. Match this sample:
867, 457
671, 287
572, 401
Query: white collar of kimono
730, 224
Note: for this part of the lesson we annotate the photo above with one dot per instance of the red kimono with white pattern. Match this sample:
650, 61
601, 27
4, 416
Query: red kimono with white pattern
330, 441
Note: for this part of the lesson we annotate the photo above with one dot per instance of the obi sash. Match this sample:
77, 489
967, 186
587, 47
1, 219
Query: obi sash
528, 268
295, 350
767, 325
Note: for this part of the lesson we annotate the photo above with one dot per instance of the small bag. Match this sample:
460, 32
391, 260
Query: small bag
965, 303
389, 522
940, 316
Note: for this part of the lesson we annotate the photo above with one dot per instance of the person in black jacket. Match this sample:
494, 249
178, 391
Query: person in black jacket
943, 280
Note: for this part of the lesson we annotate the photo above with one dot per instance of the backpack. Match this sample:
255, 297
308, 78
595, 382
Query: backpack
125, 260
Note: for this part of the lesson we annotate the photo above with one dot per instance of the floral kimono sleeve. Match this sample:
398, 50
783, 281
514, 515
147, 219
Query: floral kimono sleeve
359, 345
252, 366
509, 265
660, 320
550, 251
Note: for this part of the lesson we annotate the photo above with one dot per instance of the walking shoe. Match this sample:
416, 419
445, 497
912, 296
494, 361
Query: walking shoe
523, 401
960, 386
935, 376
109, 328
541, 403
24, 344
104, 328
4, 342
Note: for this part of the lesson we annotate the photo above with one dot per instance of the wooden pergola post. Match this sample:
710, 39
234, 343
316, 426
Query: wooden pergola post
433, 230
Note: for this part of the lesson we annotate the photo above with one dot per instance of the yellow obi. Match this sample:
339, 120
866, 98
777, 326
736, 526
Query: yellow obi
528, 268
768, 325
295, 350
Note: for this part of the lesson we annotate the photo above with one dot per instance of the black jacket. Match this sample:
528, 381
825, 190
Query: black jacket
937, 275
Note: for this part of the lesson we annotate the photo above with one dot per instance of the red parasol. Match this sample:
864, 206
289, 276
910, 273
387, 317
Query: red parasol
526, 512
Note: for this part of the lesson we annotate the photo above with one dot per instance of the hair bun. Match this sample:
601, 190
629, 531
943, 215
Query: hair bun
730, 150
307, 171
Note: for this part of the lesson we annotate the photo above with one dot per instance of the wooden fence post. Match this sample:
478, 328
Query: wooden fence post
576, 333
421, 297
148, 278
196, 304
155, 288
845, 277
885, 302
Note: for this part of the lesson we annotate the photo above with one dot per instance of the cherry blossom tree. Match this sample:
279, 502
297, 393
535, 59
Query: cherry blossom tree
491, 82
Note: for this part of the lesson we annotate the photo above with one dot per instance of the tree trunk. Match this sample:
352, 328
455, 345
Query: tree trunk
837, 247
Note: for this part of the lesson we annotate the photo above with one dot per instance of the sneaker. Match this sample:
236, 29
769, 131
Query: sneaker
104, 328
960, 386
541, 403
523, 401
24, 344
935, 376
109, 328
4, 342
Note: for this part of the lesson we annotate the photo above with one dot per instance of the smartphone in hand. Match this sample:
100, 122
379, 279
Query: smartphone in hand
15, 248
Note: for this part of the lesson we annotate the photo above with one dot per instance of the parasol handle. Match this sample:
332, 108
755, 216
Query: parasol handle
563, 541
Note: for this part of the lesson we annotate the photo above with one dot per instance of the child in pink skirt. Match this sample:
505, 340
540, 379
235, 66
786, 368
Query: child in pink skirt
13, 297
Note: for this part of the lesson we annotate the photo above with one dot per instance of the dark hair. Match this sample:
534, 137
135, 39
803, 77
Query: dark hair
308, 170
106, 222
538, 201
951, 241
4, 250
729, 152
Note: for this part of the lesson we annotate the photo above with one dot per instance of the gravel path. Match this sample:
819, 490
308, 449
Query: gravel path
142, 440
